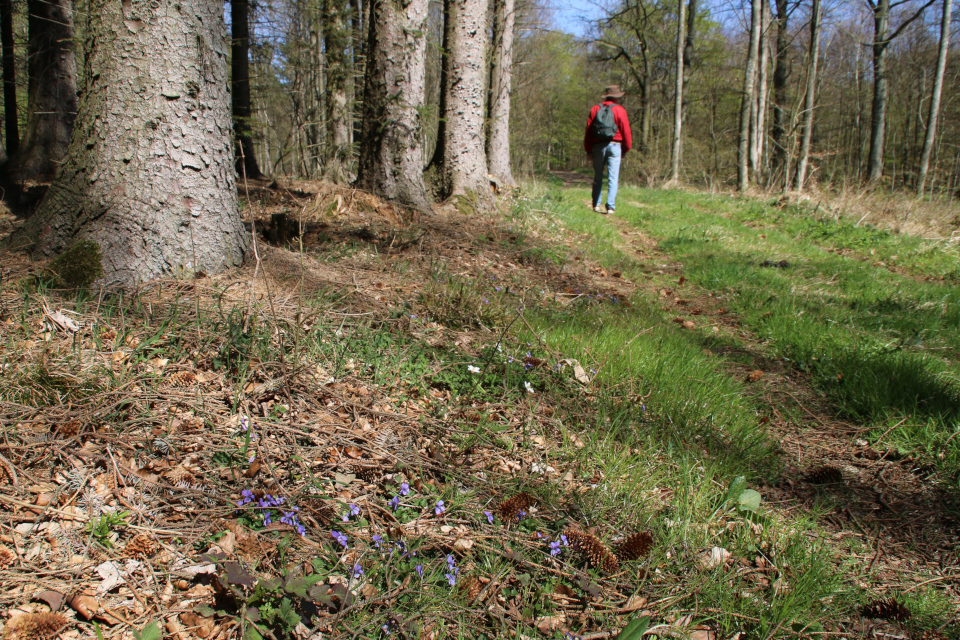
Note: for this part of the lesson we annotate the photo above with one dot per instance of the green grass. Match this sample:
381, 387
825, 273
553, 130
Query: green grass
883, 347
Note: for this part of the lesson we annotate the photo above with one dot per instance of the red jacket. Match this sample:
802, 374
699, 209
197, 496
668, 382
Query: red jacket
623, 128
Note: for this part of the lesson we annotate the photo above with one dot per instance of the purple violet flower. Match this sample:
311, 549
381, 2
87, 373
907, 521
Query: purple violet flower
340, 537
420, 570
357, 572
395, 503
439, 509
354, 510
489, 516
555, 548
404, 489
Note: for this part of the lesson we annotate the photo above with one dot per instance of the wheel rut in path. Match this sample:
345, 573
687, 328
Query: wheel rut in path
907, 524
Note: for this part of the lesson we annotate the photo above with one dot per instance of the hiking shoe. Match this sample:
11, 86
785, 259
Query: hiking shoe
599, 209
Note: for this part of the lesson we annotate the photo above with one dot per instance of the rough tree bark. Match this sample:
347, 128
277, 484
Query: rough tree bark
52, 89
464, 170
498, 142
8, 63
149, 174
810, 97
391, 157
781, 71
436, 160
336, 38
749, 98
240, 81
934, 113
678, 97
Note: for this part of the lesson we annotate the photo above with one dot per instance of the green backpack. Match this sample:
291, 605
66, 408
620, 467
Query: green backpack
604, 124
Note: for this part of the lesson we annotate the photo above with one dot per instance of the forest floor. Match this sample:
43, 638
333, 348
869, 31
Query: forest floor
703, 417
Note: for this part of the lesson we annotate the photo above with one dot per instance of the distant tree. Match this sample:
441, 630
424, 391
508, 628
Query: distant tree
149, 174
336, 38
9, 66
934, 114
501, 73
240, 79
810, 96
464, 169
749, 96
391, 153
882, 37
781, 73
678, 96
51, 90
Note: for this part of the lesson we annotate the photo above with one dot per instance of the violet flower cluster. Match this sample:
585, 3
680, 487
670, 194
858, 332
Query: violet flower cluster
267, 504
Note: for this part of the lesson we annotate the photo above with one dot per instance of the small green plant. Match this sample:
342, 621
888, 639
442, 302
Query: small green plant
150, 631
739, 499
78, 267
102, 527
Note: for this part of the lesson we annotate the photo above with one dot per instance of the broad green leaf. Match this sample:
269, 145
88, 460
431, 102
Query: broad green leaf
151, 631
736, 488
749, 500
635, 630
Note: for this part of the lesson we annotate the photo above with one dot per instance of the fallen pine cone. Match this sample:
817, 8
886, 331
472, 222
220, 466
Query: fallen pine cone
32, 626
887, 609
634, 546
825, 475
511, 508
596, 552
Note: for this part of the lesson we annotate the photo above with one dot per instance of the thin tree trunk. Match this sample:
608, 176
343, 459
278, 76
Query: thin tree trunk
878, 115
780, 73
149, 175
646, 107
810, 98
749, 96
678, 99
934, 114
464, 170
391, 156
760, 135
52, 89
498, 143
240, 81
10, 115
336, 39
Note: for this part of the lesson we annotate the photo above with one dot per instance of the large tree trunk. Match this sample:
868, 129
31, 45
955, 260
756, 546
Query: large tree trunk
878, 117
749, 98
337, 39
809, 99
149, 174
678, 97
464, 169
52, 95
498, 144
240, 79
780, 72
391, 156
934, 113
10, 116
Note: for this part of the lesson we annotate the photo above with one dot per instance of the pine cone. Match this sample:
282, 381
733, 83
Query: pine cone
181, 379
142, 547
825, 475
887, 609
33, 626
595, 551
6, 557
634, 546
471, 587
510, 509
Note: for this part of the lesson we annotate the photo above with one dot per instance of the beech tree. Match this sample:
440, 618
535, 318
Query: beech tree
149, 173
749, 96
809, 96
934, 113
391, 147
678, 96
501, 70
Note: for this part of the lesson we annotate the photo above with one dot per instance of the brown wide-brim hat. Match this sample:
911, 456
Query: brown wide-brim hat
613, 91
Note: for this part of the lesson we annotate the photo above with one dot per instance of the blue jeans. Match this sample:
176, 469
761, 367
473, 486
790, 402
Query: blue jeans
606, 154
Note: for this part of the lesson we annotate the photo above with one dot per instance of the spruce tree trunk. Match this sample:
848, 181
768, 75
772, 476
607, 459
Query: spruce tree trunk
498, 144
149, 174
52, 89
810, 97
8, 63
934, 113
436, 160
464, 170
678, 97
240, 81
749, 98
780, 73
337, 39
391, 155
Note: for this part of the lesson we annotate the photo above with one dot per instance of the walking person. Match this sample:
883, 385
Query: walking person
607, 139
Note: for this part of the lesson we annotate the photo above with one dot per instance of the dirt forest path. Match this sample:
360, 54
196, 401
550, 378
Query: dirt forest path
880, 508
